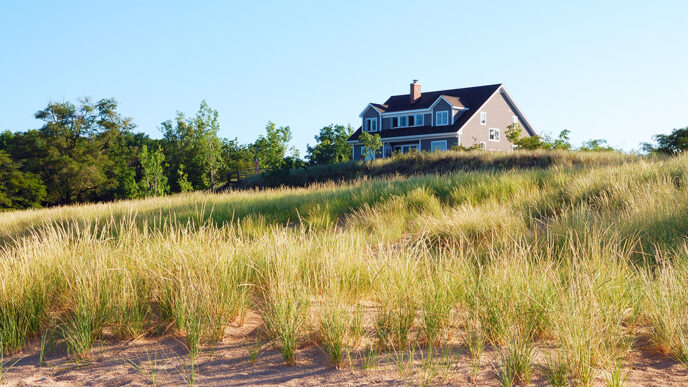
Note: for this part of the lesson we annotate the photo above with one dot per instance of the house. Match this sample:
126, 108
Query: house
439, 120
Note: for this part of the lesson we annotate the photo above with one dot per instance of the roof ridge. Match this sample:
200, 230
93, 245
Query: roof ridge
446, 90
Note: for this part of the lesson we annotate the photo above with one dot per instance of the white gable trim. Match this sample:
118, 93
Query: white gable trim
438, 100
370, 105
520, 115
481, 106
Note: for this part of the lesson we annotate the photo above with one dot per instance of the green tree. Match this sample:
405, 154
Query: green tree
18, 189
80, 152
194, 143
331, 145
596, 145
562, 142
371, 144
670, 144
209, 147
513, 133
183, 181
236, 156
271, 148
153, 181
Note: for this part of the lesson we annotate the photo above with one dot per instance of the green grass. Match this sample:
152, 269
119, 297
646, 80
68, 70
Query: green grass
582, 251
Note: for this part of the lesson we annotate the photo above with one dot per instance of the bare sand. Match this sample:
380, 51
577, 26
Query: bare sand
164, 361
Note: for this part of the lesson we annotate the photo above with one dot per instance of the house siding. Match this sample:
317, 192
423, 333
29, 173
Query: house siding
387, 121
441, 106
357, 152
370, 113
426, 144
499, 116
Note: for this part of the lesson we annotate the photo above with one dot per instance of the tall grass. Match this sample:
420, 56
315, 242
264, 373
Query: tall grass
586, 257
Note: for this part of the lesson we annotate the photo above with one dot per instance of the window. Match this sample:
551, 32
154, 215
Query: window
483, 145
483, 118
494, 134
436, 146
371, 125
365, 155
405, 148
406, 121
514, 119
442, 118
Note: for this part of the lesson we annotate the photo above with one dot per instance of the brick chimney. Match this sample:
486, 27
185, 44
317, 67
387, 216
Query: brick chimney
415, 91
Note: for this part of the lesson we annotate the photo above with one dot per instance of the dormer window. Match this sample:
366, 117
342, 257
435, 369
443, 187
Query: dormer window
371, 125
442, 118
407, 121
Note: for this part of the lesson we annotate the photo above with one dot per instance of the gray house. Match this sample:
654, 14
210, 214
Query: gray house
438, 120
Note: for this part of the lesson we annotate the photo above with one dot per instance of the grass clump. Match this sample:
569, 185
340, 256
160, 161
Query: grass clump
585, 253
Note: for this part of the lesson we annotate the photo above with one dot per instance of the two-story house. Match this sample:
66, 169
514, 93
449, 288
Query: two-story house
438, 120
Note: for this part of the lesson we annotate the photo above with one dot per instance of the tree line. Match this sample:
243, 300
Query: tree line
89, 152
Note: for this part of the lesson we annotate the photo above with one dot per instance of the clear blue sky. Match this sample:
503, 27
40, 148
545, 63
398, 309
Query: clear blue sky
603, 69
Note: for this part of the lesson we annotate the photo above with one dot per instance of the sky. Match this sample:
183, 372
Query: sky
616, 70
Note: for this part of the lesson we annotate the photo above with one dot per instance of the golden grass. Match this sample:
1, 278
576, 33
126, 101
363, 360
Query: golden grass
579, 256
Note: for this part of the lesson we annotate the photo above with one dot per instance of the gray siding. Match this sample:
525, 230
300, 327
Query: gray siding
451, 141
442, 105
499, 116
370, 113
357, 152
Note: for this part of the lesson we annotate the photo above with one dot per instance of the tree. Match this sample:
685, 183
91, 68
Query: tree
670, 144
153, 181
18, 189
183, 181
209, 147
371, 144
194, 143
271, 148
561, 142
596, 145
331, 145
513, 133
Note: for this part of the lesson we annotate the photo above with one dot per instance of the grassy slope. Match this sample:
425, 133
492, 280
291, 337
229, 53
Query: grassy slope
585, 252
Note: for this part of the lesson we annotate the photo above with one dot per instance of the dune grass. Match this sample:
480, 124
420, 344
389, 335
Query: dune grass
587, 257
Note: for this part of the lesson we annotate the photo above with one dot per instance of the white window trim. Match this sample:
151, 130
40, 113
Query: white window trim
408, 147
364, 154
483, 118
367, 125
443, 142
499, 135
483, 145
444, 113
415, 120
514, 120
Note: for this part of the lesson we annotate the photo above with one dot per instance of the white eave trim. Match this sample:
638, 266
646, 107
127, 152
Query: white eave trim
370, 105
521, 117
404, 112
441, 97
413, 137
482, 105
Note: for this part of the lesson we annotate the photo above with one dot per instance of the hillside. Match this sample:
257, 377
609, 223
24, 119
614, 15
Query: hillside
493, 269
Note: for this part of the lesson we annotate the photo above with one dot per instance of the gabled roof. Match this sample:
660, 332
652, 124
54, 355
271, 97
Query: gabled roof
380, 108
470, 98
